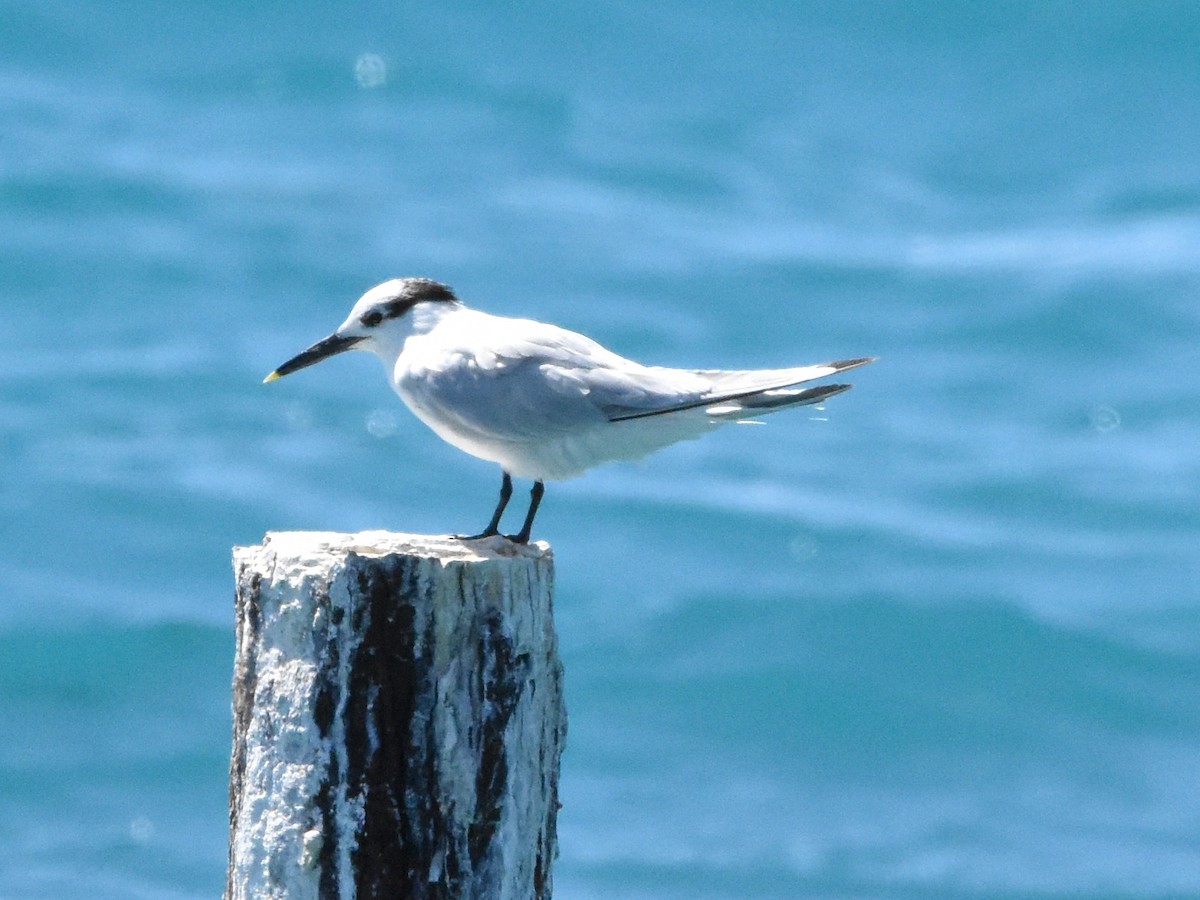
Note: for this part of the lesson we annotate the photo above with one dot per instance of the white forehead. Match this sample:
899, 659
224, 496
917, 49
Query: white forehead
381, 293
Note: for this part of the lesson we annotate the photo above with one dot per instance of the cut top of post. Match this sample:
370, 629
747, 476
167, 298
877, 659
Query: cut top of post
296, 544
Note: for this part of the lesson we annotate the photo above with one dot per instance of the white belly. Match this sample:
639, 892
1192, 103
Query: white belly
562, 455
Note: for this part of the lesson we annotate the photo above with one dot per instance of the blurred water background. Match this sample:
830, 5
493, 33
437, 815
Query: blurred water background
939, 640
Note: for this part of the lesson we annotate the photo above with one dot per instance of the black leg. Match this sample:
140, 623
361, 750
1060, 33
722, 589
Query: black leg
494, 525
535, 497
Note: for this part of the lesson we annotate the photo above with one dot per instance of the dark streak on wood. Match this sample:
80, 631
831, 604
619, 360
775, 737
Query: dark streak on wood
548, 835
390, 691
246, 609
324, 710
501, 680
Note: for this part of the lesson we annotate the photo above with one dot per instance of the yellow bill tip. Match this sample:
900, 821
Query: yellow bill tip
274, 376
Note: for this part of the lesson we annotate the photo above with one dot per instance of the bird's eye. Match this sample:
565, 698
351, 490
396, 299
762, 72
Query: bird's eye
372, 318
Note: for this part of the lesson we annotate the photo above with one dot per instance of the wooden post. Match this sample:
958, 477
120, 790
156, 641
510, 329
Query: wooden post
398, 718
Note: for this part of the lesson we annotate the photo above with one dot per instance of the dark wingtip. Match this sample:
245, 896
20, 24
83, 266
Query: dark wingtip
842, 365
768, 400
823, 392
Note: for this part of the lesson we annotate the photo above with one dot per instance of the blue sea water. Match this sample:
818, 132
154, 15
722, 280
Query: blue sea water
941, 639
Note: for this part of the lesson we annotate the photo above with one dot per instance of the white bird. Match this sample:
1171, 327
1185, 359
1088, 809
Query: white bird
543, 402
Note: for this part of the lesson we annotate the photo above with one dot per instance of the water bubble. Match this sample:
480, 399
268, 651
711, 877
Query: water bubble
1104, 418
141, 830
381, 423
370, 71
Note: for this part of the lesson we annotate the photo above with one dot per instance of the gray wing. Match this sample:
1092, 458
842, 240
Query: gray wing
535, 379
748, 391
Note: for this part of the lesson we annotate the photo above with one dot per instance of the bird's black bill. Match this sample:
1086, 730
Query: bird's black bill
322, 349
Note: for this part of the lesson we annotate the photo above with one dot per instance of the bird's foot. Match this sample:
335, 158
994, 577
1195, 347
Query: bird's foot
514, 538
486, 533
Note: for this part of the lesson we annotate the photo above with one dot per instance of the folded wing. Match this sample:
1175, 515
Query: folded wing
735, 393
536, 380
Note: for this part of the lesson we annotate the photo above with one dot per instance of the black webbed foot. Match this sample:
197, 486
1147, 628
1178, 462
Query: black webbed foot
477, 537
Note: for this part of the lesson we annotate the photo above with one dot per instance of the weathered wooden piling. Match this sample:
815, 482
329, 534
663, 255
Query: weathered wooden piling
398, 718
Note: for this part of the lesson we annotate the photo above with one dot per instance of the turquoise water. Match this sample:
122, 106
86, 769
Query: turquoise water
939, 640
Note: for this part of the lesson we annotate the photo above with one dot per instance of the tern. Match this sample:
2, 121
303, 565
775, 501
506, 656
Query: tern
543, 402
